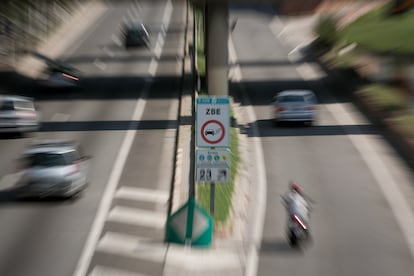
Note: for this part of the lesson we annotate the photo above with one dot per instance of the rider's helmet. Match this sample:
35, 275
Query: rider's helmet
295, 187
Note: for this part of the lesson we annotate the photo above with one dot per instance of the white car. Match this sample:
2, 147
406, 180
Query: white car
53, 169
295, 106
18, 114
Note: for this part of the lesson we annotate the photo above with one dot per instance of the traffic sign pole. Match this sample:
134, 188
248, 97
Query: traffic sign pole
212, 197
190, 219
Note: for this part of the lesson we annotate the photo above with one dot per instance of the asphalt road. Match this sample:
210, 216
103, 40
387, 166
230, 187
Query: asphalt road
125, 117
357, 181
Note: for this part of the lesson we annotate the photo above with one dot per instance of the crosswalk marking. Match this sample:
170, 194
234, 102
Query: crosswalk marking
132, 193
60, 117
137, 217
108, 271
129, 245
131, 238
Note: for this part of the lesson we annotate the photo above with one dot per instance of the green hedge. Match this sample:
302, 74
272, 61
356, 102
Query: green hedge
383, 97
326, 29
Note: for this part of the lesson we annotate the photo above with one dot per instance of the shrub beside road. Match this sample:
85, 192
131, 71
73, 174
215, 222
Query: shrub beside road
378, 48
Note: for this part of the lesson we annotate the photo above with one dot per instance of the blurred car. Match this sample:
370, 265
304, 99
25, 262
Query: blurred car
62, 76
53, 169
295, 106
136, 34
18, 114
58, 74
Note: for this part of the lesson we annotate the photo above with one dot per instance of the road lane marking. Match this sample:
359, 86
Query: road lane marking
384, 179
104, 207
141, 194
309, 72
259, 201
116, 40
9, 180
134, 216
137, 5
152, 68
107, 51
105, 204
158, 46
132, 246
235, 74
60, 117
167, 14
164, 27
109, 271
101, 65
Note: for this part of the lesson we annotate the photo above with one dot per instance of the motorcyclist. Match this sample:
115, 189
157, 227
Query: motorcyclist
296, 203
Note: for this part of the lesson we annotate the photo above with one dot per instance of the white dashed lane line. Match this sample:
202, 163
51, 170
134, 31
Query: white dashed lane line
116, 39
101, 65
60, 117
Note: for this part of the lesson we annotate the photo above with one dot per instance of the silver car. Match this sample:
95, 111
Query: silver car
53, 169
18, 114
295, 106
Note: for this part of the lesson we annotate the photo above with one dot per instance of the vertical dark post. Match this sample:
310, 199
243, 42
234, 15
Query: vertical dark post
212, 197
191, 192
217, 34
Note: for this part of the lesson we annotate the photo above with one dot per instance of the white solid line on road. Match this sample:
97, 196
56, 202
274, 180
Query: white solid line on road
105, 204
374, 162
141, 194
165, 25
384, 179
259, 202
167, 14
134, 216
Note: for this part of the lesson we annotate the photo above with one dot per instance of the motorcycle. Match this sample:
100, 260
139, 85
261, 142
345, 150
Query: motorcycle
298, 229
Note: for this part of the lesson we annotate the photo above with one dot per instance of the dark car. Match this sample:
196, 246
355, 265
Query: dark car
136, 34
58, 74
62, 76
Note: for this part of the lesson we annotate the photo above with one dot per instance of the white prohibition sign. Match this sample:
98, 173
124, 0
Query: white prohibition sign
213, 131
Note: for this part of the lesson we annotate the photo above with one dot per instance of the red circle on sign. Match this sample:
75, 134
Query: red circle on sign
205, 132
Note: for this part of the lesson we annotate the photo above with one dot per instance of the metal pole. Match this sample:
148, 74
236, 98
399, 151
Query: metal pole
193, 121
217, 34
212, 197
